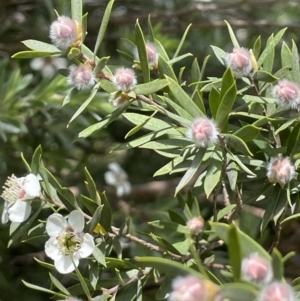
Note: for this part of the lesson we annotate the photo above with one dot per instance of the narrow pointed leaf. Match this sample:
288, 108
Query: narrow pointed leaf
40, 46
151, 87
76, 9
58, 285
182, 41
232, 36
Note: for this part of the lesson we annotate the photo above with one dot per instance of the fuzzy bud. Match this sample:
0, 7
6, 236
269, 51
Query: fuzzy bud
124, 79
277, 291
191, 288
257, 269
239, 61
203, 131
63, 32
71, 299
151, 52
195, 225
81, 77
287, 94
280, 170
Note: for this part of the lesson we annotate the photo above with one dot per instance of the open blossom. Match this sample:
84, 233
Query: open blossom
152, 54
63, 32
280, 170
195, 225
191, 288
17, 193
118, 178
287, 94
257, 269
277, 291
203, 131
82, 77
124, 79
239, 61
67, 241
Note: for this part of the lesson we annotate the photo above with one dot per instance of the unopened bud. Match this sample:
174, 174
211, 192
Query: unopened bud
257, 269
63, 32
280, 170
195, 225
124, 79
287, 94
81, 77
152, 54
203, 131
277, 291
239, 61
191, 288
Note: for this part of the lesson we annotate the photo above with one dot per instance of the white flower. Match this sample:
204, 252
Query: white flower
17, 192
118, 178
48, 65
67, 240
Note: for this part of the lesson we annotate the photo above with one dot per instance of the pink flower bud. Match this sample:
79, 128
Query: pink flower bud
239, 61
287, 94
191, 288
257, 269
63, 32
195, 225
71, 299
81, 77
152, 54
280, 170
203, 131
124, 79
277, 291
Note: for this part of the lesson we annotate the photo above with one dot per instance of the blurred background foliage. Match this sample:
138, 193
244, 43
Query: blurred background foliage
30, 104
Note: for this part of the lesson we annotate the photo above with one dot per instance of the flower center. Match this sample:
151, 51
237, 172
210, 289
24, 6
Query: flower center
69, 243
12, 190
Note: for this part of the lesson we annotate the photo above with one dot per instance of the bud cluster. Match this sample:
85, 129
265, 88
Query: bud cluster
280, 170
82, 77
124, 79
287, 94
239, 62
195, 225
277, 291
203, 131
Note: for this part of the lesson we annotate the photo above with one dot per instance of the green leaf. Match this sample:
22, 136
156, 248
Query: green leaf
40, 46
166, 144
234, 248
232, 36
182, 41
169, 226
167, 266
176, 108
73, 53
278, 270
238, 292
248, 245
109, 118
264, 76
247, 133
103, 26
191, 171
257, 47
293, 145
101, 64
219, 53
270, 47
106, 214
44, 290
99, 256
165, 69
76, 8
58, 285
296, 70
29, 54
92, 187
238, 144
151, 87
183, 100
68, 195
228, 95
95, 218
141, 47
85, 104
214, 101
69, 96
214, 171
36, 159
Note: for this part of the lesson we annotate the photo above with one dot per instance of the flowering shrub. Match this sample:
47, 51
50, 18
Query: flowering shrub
235, 141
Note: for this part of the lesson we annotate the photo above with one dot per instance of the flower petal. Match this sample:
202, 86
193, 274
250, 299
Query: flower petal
52, 249
56, 224
115, 167
64, 264
110, 178
19, 211
76, 221
32, 187
87, 246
